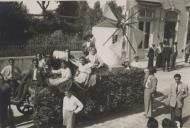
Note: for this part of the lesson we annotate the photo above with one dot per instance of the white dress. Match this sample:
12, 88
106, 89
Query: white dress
65, 75
84, 72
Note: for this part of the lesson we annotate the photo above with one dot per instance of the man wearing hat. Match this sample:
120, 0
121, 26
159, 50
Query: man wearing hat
166, 56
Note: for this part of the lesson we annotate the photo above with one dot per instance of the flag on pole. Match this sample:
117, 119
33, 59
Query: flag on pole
108, 13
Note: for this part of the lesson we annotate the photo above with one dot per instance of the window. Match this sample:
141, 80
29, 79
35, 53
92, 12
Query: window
114, 39
146, 14
144, 26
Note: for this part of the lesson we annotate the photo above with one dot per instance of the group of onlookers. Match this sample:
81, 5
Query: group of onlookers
178, 91
165, 54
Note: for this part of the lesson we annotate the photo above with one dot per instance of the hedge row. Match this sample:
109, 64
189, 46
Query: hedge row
114, 90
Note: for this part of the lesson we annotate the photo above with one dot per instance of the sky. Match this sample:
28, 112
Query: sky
34, 8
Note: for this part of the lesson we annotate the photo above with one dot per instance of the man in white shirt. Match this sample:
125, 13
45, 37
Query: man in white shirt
11, 75
71, 106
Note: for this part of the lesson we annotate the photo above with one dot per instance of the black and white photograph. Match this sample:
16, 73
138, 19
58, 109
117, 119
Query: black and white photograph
94, 64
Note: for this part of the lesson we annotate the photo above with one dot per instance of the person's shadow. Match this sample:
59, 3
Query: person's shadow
159, 106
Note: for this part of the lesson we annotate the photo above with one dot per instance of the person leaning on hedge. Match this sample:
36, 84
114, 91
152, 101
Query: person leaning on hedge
150, 85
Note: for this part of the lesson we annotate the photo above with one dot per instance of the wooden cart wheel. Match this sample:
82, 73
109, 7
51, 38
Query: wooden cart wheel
25, 107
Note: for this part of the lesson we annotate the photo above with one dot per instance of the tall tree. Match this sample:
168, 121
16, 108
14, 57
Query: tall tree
96, 14
68, 8
43, 5
14, 20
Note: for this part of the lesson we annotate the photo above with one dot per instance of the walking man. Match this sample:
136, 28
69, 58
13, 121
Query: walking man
178, 92
150, 85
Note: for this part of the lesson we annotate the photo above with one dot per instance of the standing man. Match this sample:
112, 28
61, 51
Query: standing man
71, 106
178, 92
166, 56
11, 75
187, 51
151, 54
174, 53
149, 90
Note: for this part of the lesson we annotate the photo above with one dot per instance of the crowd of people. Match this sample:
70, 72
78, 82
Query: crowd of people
12, 79
165, 53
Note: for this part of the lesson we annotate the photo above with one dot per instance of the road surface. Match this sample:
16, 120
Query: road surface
133, 117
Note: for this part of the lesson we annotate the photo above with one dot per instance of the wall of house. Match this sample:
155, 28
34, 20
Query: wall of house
158, 24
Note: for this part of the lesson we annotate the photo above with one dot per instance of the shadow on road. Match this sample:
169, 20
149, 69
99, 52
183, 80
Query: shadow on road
159, 106
113, 115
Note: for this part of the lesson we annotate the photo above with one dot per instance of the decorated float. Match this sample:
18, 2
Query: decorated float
115, 87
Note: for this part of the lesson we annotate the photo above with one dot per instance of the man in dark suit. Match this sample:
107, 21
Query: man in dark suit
178, 92
166, 56
151, 54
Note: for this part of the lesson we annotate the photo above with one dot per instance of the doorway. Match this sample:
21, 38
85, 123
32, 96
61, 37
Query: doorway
169, 30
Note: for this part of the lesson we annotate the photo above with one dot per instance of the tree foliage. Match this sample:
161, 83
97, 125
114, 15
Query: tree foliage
14, 21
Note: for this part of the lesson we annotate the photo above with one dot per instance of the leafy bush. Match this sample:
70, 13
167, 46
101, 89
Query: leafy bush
114, 90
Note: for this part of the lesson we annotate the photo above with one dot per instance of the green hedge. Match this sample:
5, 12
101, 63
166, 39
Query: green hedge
114, 90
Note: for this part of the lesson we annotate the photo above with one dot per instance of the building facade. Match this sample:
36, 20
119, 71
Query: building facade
159, 20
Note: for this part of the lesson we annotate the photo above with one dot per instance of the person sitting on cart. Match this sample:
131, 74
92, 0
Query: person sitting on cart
83, 72
32, 76
41, 60
65, 73
95, 62
11, 75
